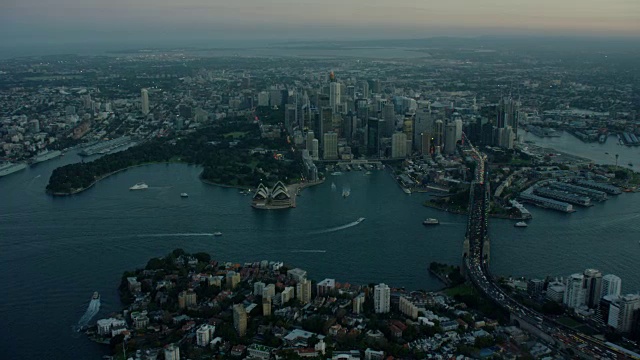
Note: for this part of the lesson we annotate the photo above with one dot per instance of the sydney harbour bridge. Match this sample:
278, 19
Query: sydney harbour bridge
475, 266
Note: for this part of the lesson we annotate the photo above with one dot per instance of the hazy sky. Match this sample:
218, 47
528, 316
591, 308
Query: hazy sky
34, 21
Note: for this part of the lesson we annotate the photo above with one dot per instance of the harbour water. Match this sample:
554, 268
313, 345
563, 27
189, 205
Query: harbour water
58, 251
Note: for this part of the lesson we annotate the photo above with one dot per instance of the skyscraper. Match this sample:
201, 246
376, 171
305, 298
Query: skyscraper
508, 115
438, 133
365, 89
593, 287
373, 137
240, 319
381, 298
398, 145
574, 296
611, 285
334, 97
389, 117
145, 101
458, 124
330, 146
450, 139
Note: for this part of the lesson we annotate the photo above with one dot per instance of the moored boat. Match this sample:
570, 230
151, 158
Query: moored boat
521, 224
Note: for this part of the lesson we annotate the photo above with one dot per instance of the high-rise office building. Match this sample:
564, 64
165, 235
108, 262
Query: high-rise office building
365, 89
382, 298
450, 139
330, 146
373, 137
398, 145
315, 153
389, 116
593, 287
334, 96
407, 129
145, 101
611, 285
574, 296
458, 124
425, 143
438, 133
240, 319
303, 291
508, 115
309, 142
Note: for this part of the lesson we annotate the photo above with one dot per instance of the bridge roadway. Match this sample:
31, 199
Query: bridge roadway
476, 267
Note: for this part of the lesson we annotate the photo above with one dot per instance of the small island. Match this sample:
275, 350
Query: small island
237, 152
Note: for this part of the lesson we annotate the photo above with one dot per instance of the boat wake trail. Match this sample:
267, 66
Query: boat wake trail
173, 235
338, 228
308, 251
92, 310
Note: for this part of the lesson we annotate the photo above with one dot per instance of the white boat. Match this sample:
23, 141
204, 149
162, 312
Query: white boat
45, 155
431, 221
359, 220
139, 186
333, 186
346, 192
521, 224
95, 296
368, 173
336, 173
184, 195
217, 233
406, 191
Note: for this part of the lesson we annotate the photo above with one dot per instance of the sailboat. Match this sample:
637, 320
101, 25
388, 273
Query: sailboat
333, 186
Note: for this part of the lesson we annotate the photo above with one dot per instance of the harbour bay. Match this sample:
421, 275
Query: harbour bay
57, 251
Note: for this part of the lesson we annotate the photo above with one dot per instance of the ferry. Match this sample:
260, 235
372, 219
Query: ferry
139, 186
10, 168
184, 195
217, 233
359, 220
431, 221
521, 224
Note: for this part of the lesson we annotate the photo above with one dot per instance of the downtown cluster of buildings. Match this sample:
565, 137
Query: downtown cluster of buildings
264, 311
592, 296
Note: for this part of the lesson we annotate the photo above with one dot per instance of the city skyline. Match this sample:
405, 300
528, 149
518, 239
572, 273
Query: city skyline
69, 21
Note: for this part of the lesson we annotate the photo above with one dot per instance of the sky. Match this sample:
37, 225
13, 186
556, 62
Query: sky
75, 21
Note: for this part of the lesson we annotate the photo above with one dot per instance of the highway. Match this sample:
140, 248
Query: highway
476, 266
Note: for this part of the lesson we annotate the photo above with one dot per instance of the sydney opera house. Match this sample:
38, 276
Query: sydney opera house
277, 197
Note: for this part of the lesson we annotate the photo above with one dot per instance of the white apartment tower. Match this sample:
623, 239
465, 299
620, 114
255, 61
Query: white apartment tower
574, 296
382, 298
611, 285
